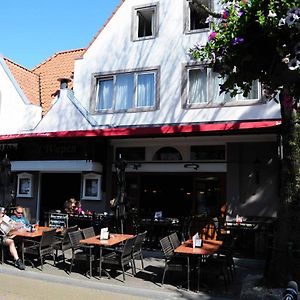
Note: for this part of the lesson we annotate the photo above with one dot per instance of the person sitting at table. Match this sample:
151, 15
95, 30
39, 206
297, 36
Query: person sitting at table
8, 241
70, 206
18, 216
78, 209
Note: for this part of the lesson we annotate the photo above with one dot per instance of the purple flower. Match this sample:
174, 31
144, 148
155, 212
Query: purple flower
238, 40
225, 14
240, 13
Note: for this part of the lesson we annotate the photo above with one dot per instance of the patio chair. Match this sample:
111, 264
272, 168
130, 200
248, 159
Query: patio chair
137, 252
41, 248
120, 257
88, 232
172, 261
80, 252
63, 243
175, 242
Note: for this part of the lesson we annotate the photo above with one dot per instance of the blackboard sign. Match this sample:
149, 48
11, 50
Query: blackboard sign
58, 220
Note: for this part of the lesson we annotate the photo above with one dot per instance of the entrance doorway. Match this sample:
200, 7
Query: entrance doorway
169, 193
56, 188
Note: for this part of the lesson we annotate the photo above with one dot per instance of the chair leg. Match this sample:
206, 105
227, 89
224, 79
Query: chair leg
163, 278
123, 269
133, 266
142, 261
72, 260
41, 259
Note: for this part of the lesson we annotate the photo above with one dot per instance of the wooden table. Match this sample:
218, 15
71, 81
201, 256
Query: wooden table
209, 247
113, 240
23, 233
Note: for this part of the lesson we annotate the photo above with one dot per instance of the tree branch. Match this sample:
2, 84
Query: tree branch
200, 7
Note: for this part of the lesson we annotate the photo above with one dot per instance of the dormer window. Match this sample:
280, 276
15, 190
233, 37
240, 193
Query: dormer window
144, 22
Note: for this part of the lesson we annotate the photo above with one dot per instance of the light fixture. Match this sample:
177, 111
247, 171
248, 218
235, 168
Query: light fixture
192, 166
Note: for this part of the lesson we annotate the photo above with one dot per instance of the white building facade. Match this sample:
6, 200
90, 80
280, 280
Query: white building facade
188, 149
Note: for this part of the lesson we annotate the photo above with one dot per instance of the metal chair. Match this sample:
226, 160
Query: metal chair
137, 251
175, 242
41, 248
172, 261
121, 257
88, 232
80, 252
63, 243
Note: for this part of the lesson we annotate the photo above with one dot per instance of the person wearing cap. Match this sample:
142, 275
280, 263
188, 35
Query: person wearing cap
18, 217
9, 242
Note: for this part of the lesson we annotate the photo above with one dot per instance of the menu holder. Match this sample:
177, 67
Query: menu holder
197, 242
58, 220
104, 234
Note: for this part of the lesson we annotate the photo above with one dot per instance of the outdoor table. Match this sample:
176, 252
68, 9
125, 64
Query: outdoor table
23, 233
113, 240
209, 247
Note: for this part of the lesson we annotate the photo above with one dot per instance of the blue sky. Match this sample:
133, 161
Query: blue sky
33, 30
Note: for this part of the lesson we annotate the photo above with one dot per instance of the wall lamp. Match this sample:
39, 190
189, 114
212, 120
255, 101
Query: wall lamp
192, 166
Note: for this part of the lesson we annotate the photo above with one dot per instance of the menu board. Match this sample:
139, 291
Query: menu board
58, 220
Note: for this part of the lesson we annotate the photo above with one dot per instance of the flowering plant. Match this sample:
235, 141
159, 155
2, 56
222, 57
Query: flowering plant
254, 39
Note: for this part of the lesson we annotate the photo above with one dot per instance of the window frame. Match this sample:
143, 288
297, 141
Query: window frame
20, 178
91, 176
135, 21
97, 77
187, 19
210, 104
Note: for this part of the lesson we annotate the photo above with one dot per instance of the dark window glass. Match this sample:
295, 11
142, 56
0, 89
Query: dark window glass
145, 22
198, 15
216, 152
167, 153
130, 153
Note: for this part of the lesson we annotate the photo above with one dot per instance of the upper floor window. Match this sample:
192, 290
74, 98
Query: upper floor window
127, 91
196, 15
145, 22
203, 88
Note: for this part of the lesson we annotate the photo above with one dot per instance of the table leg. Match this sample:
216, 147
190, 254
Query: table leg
188, 272
100, 262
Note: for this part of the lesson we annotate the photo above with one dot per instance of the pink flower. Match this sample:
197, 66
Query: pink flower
212, 36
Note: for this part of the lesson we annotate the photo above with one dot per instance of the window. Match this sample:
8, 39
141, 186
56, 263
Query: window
209, 152
24, 186
91, 187
145, 22
127, 91
196, 16
167, 153
131, 153
203, 87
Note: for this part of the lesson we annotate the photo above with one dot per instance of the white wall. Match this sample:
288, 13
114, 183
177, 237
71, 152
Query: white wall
16, 112
113, 50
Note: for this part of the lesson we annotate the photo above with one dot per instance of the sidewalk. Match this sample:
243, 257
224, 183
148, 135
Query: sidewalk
55, 282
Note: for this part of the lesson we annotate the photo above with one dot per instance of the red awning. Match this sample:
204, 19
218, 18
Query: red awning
159, 130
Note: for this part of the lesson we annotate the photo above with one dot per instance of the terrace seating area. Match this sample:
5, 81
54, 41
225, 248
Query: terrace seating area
126, 258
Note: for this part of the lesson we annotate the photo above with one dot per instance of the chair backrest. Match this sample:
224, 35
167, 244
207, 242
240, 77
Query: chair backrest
175, 242
128, 246
75, 237
88, 232
167, 247
137, 247
48, 238
66, 239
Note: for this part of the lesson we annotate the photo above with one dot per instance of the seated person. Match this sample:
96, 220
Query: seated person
6, 240
18, 217
70, 206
